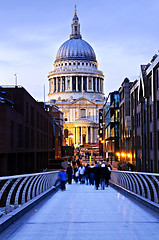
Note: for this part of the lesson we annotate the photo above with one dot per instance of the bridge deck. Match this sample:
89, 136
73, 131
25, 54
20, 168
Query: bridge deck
83, 213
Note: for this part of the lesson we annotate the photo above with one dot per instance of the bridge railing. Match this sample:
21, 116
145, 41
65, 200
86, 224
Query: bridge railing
145, 185
19, 189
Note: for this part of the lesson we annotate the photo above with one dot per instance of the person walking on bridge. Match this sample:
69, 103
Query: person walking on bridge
69, 173
62, 178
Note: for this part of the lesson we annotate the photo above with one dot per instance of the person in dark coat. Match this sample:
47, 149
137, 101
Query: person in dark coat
96, 175
105, 175
69, 173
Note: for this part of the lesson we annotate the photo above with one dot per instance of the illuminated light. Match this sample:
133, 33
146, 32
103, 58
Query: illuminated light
117, 154
102, 141
97, 136
123, 154
129, 155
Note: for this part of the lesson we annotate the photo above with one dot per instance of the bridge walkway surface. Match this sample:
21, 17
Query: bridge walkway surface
83, 213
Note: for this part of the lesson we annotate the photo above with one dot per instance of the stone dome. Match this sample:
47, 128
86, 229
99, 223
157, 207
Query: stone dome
75, 49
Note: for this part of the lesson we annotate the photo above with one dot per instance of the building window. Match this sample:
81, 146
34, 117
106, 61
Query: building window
150, 140
78, 63
20, 135
12, 134
68, 83
83, 113
150, 109
149, 85
90, 84
27, 112
32, 138
74, 63
82, 63
157, 78
65, 64
26, 137
157, 109
86, 64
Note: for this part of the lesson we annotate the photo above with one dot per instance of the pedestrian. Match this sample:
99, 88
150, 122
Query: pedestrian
105, 176
91, 174
62, 178
81, 172
97, 175
87, 171
69, 173
76, 174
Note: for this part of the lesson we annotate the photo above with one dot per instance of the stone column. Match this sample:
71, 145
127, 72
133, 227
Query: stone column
61, 84
99, 84
81, 136
92, 84
57, 84
86, 134
76, 84
49, 85
87, 84
52, 83
95, 84
76, 140
66, 83
71, 83
82, 83
74, 137
91, 128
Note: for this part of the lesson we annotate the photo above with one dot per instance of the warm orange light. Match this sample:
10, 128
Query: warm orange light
123, 154
102, 141
129, 155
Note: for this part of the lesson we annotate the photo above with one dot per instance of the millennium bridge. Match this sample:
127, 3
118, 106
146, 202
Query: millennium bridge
31, 207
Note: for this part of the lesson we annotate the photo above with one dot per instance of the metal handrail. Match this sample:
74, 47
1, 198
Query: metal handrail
18, 189
142, 184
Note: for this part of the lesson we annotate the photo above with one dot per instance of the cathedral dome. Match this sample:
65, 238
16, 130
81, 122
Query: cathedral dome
75, 49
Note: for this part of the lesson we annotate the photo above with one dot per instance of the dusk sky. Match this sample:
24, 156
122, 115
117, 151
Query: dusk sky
124, 34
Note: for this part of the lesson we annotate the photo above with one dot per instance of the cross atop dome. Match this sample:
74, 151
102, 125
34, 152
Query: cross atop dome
75, 26
75, 11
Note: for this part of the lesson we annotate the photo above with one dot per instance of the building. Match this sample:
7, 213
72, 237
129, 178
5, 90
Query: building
58, 130
111, 127
145, 95
26, 133
76, 87
125, 121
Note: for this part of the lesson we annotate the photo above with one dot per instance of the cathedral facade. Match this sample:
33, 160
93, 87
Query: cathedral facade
76, 87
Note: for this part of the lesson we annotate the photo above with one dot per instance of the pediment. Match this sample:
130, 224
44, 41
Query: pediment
83, 100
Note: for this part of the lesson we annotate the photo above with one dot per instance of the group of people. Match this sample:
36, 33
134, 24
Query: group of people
94, 174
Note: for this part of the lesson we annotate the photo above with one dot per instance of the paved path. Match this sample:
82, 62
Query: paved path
83, 213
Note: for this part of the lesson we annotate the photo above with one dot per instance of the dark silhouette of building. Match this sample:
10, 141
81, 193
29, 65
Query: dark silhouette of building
26, 133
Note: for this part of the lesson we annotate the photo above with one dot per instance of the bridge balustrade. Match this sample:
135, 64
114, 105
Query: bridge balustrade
17, 190
145, 185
